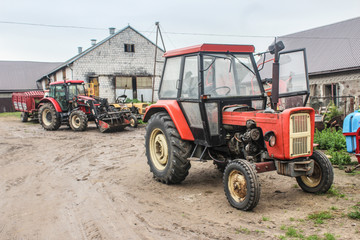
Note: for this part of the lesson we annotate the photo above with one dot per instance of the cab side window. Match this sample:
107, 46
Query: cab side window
168, 88
189, 88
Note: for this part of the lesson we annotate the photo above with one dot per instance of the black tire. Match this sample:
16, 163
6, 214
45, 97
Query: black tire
48, 117
133, 121
24, 116
166, 152
321, 179
240, 173
78, 120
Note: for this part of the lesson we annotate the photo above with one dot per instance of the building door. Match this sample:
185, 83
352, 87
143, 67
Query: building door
95, 82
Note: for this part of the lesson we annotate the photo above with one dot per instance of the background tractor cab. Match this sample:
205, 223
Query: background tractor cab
203, 79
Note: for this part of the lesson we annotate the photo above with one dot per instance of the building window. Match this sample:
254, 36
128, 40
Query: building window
124, 82
129, 47
144, 82
331, 93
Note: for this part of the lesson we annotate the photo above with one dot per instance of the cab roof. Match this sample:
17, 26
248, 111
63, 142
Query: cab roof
223, 48
67, 81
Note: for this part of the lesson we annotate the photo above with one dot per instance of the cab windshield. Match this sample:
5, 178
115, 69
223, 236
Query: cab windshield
229, 75
76, 89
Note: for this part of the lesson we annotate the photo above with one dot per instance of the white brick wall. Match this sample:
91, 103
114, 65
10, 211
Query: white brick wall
109, 60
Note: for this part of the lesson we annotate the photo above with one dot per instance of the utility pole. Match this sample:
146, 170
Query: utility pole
155, 57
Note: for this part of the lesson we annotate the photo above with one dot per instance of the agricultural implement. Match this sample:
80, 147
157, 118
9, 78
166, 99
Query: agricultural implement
213, 107
67, 103
27, 103
351, 131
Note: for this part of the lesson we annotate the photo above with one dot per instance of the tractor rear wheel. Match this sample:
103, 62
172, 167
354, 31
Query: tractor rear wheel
241, 185
78, 120
166, 152
133, 121
322, 177
48, 117
24, 116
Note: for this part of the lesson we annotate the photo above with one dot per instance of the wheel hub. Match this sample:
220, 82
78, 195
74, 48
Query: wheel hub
158, 149
46, 117
237, 186
315, 178
76, 121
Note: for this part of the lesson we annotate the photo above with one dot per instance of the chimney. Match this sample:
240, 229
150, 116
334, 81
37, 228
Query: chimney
111, 31
93, 42
79, 50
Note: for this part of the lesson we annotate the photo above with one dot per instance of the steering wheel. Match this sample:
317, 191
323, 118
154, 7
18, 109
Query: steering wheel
121, 99
222, 87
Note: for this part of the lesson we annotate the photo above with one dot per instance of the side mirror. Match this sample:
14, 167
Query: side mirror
280, 46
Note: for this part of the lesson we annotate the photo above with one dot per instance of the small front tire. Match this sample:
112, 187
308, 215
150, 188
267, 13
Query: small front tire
133, 121
241, 185
322, 177
78, 121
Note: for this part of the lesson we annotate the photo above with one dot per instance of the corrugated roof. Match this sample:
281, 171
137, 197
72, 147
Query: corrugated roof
333, 47
22, 75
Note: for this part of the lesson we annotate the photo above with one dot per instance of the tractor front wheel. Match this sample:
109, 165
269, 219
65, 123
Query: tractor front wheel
322, 177
166, 152
48, 117
24, 116
241, 185
78, 121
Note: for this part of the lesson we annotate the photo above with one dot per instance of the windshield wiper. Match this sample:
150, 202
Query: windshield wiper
231, 54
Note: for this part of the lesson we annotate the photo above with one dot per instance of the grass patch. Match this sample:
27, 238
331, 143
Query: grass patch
356, 213
320, 217
10, 114
242, 230
265, 219
334, 192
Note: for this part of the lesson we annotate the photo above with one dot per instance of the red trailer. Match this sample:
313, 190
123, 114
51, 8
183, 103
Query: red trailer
27, 103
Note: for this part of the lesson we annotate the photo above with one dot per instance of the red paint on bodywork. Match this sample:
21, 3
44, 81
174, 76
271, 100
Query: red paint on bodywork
173, 109
211, 48
67, 81
276, 122
53, 101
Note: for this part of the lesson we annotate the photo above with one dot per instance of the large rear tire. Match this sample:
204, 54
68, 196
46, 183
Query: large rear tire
78, 121
166, 152
322, 177
24, 116
48, 117
241, 185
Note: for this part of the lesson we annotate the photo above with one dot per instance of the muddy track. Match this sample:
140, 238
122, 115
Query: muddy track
92, 185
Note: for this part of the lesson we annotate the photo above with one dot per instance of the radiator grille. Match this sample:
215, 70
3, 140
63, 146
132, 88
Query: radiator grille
300, 135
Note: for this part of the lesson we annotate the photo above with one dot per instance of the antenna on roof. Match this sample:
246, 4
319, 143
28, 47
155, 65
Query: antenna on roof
158, 32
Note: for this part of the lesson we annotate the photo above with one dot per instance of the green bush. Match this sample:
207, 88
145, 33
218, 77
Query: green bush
340, 157
330, 139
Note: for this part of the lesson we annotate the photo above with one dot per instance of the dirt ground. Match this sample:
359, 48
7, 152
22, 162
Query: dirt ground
92, 185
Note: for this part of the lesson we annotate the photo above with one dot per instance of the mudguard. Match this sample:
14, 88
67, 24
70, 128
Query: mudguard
173, 109
53, 101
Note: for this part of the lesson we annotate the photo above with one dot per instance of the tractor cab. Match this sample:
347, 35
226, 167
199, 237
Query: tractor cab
208, 79
64, 92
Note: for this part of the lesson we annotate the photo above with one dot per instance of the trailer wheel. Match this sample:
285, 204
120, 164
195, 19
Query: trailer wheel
78, 120
166, 152
24, 116
241, 185
133, 121
48, 117
322, 177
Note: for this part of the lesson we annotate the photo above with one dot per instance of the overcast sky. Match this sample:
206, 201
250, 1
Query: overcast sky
220, 21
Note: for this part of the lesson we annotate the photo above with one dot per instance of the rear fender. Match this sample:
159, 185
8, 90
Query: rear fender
51, 100
176, 114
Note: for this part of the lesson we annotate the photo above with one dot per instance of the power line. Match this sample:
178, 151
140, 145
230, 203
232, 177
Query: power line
49, 25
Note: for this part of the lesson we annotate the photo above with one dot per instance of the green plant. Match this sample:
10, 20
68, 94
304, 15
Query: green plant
330, 139
355, 214
333, 111
334, 192
265, 219
8, 114
340, 157
329, 236
293, 232
319, 217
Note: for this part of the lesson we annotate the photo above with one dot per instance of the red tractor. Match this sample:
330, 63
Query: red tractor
212, 107
68, 104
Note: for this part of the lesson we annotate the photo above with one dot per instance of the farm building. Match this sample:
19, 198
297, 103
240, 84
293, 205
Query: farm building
19, 76
333, 55
123, 63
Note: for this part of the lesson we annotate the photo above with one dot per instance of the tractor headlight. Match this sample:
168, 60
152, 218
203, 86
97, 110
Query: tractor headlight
270, 137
